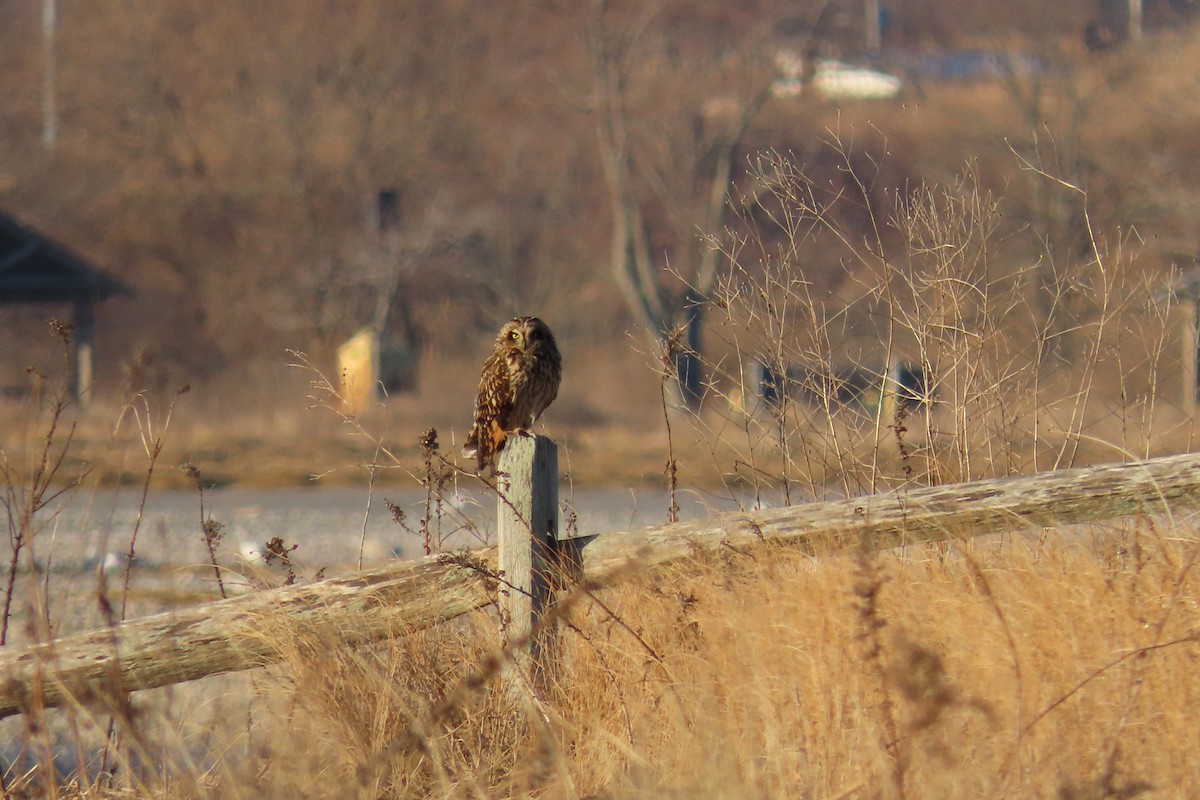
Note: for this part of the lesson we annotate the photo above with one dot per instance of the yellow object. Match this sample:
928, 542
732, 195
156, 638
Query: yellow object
358, 365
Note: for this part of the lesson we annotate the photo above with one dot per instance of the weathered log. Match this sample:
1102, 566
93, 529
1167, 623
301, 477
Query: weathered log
940, 513
239, 633
236, 634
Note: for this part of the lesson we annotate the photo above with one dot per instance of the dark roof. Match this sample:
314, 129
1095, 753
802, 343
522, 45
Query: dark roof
35, 269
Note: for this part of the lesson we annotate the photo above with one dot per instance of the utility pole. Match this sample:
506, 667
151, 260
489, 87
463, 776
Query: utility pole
49, 104
871, 18
1135, 20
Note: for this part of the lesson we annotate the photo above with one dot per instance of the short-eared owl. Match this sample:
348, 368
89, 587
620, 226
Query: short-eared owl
520, 378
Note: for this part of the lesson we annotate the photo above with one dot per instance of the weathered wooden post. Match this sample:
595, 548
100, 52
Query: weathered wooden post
527, 532
1190, 357
84, 336
1185, 291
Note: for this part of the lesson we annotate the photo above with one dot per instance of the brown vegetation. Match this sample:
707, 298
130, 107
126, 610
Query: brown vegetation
1024, 665
1012, 238
226, 164
1031, 667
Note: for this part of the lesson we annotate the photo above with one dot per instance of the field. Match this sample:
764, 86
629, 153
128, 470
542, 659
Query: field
1031, 667
1041, 662
977, 281
1037, 664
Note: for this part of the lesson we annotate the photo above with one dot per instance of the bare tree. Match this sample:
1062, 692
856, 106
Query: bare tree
251, 144
669, 129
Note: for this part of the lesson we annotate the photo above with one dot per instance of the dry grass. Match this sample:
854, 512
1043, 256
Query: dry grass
1043, 664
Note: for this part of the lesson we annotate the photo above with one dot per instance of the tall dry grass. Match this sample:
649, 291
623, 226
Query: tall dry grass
1038, 665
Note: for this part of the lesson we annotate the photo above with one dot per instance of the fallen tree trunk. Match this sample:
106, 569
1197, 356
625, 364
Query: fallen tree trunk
1160, 486
230, 635
238, 633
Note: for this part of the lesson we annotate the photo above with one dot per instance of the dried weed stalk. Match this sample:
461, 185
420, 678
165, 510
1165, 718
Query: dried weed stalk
949, 345
33, 480
211, 530
443, 515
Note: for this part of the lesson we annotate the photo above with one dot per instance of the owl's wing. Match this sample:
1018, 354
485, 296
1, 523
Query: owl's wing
492, 406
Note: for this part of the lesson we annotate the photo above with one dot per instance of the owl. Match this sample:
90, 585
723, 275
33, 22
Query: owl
520, 378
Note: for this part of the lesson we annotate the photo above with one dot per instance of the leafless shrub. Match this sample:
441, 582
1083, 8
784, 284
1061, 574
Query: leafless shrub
943, 347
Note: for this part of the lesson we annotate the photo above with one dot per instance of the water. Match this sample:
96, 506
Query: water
327, 526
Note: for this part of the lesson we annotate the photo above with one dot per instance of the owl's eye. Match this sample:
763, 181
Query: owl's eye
513, 335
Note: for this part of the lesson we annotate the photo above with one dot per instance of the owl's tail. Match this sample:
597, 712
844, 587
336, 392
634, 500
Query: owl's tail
483, 444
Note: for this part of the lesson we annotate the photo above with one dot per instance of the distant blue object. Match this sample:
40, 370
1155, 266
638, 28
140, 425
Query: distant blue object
961, 65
